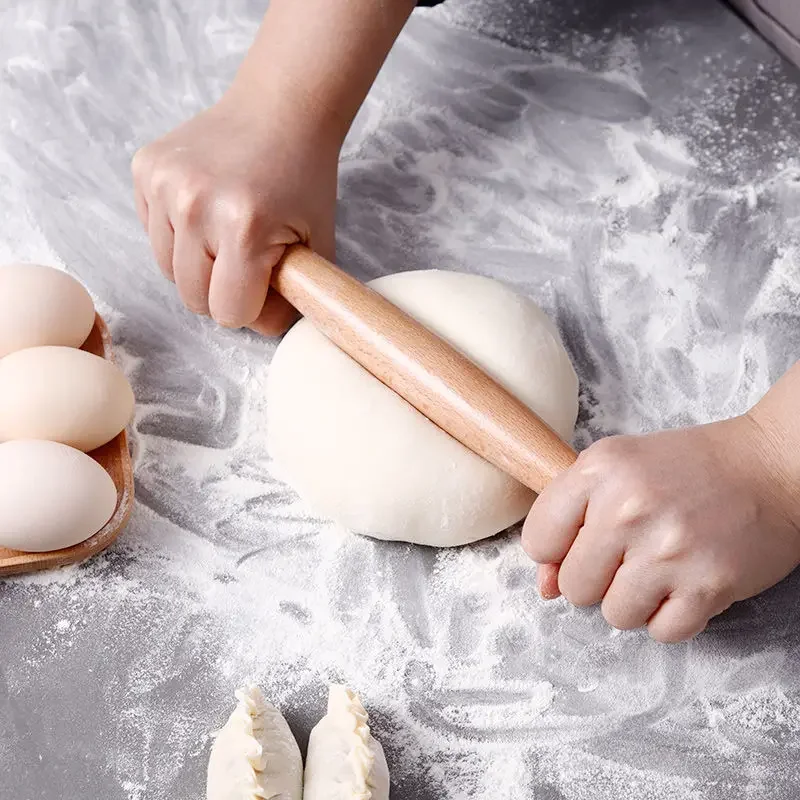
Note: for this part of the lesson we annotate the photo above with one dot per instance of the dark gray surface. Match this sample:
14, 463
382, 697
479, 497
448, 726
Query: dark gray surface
631, 166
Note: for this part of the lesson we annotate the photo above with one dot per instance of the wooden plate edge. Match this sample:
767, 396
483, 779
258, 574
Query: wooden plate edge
23, 563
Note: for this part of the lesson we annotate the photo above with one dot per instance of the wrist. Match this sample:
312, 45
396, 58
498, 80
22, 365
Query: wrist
267, 105
774, 451
315, 60
277, 98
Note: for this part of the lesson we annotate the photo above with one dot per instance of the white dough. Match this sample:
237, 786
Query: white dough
255, 756
359, 454
345, 762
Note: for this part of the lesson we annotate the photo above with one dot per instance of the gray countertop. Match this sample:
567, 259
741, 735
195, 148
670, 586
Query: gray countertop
631, 165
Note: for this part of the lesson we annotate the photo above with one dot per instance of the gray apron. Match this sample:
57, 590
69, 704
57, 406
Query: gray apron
778, 20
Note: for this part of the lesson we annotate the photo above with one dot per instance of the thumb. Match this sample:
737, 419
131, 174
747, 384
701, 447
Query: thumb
278, 315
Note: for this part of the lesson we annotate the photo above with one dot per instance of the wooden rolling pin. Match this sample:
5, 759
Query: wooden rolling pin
431, 375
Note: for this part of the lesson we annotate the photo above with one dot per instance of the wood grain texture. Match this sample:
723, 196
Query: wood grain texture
115, 459
426, 371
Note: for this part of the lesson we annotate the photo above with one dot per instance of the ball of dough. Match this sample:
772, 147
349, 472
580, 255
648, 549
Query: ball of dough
359, 454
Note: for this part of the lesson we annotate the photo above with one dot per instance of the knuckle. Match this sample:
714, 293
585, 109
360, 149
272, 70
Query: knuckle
160, 179
534, 552
166, 266
226, 319
675, 543
189, 201
588, 460
194, 300
196, 308
529, 545
575, 585
536, 537
609, 448
612, 613
534, 542
567, 588
664, 635
541, 548
240, 215
718, 589
229, 323
141, 161
674, 632
636, 497
603, 456
616, 617
574, 592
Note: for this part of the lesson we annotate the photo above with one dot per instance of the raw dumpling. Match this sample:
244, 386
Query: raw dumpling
344, 761
255, 756
42, 306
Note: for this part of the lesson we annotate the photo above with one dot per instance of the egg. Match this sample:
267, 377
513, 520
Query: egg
42, 306
64, 395
51, 496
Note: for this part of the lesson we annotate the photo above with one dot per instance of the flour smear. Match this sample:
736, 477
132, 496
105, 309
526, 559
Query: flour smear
675, 293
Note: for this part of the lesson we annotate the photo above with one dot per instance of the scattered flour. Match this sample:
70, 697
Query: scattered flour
676, 293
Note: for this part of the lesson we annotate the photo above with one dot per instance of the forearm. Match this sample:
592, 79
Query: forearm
322, 56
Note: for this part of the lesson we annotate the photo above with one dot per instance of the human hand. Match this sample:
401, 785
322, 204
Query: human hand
669, 529
223, 195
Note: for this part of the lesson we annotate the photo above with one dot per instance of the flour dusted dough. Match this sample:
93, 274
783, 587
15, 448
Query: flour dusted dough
344, 761
255, 756
359, 454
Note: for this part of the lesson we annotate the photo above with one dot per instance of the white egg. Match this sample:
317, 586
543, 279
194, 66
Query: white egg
42, 306
51, 496
63, 395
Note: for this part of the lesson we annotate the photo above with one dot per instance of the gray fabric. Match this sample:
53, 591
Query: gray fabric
786, 14
778, 21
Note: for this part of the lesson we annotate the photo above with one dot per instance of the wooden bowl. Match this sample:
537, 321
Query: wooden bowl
116, 460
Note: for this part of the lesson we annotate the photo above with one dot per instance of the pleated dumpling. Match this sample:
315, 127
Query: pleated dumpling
255, 756
345, 762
